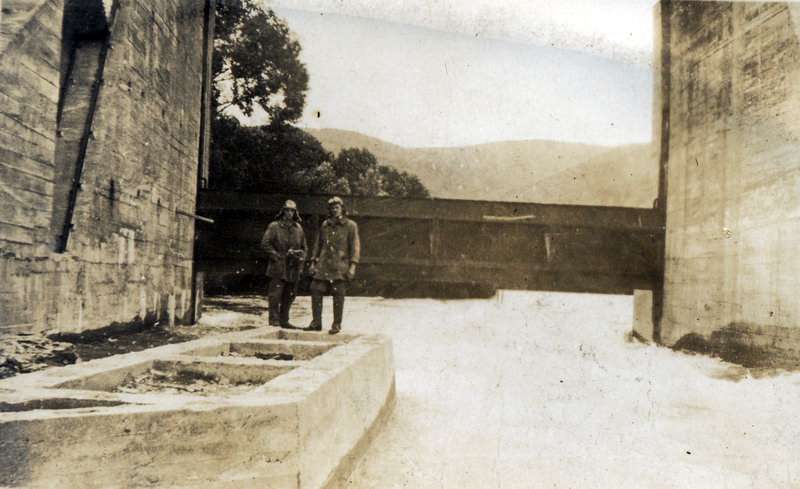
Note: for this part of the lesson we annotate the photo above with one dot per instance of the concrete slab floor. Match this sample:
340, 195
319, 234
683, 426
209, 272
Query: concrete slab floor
542, 390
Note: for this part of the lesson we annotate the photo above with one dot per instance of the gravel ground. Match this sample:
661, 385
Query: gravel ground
543, 390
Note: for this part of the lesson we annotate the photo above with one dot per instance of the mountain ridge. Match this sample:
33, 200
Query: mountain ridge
537, 170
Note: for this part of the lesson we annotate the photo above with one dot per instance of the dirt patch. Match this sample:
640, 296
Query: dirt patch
737, 373
29, 352
23, 353
274, 356
260, 355
181, 382
113, 341
116, 339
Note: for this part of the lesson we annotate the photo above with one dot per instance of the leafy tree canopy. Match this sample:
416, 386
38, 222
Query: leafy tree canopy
256, 68
256, 63
401, 183
270, 159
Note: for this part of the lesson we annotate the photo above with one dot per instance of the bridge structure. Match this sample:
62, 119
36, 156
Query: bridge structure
424, 245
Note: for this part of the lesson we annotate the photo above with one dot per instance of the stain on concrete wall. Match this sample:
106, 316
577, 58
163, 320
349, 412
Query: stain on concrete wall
129, 254
733, 212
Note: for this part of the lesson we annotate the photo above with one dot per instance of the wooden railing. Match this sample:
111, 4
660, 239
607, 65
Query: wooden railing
496, 244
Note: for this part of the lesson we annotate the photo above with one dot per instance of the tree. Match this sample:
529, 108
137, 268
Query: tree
399, 183
271, 159
256, 67
359, 168
256, 63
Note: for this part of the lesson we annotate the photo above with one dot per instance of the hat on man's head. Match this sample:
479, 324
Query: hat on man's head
337, 200
289, 204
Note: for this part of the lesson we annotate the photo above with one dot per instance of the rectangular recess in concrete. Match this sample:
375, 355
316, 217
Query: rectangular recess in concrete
307, 336
55, 404
267, 348
106, 380
199, 375
279, 350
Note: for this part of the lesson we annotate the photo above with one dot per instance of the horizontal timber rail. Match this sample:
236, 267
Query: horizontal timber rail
493, 244
447, 209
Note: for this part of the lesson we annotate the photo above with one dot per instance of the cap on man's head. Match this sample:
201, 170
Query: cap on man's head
289, 204
335, 200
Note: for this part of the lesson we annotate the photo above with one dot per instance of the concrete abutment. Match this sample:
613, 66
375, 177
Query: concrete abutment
728, 91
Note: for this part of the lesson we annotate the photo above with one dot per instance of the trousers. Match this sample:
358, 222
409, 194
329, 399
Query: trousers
337, 289
281, 294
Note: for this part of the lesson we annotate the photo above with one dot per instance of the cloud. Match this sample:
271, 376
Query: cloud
617, 29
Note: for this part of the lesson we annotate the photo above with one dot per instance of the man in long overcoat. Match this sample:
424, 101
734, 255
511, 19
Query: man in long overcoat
285, 245
336, 252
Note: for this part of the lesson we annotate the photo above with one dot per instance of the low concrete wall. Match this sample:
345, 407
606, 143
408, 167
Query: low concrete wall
643, 314
302, 429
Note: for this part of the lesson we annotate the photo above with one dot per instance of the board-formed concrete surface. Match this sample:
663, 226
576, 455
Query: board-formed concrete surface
259, 408
128, 130
730, 96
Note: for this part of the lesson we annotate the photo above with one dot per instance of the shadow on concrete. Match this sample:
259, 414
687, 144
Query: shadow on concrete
252, 304
733, 345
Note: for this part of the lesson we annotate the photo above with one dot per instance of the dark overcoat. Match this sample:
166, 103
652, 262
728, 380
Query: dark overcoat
336, 248
281, 237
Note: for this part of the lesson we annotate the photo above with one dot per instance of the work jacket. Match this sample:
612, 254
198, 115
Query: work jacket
336, 247
280, 237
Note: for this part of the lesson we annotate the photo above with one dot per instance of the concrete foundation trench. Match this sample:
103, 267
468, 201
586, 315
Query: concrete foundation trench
256, 408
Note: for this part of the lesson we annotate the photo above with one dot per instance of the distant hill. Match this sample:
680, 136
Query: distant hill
529, 171
620, 176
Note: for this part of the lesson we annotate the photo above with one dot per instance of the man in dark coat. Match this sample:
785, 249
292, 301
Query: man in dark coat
336, 252
285, 245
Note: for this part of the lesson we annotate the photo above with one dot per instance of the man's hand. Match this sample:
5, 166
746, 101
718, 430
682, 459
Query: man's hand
352, 272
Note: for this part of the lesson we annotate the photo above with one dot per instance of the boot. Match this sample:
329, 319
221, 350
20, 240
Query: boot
286, 304
274, 297
316, 313
274, 314
338, 311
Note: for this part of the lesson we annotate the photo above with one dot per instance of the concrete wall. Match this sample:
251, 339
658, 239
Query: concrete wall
129, 254
733, 188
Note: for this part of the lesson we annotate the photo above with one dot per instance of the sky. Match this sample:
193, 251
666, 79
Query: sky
453, 73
